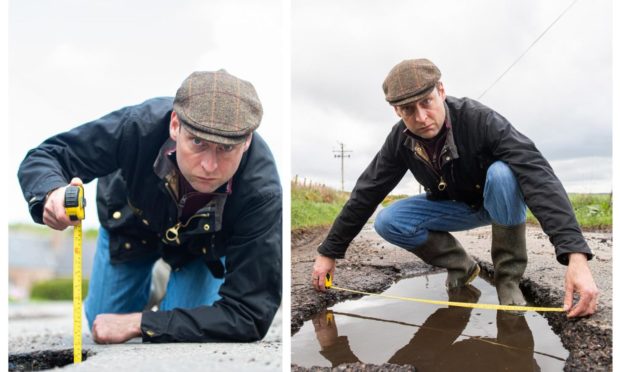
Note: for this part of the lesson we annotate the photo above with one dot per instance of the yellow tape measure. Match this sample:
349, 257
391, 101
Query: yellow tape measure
328, 284
74, 208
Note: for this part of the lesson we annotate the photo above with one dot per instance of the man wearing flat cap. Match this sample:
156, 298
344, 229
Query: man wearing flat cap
187, 180
476, 170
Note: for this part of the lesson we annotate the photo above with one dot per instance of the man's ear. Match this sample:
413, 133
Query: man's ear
441, 90
396, 111
246, 144
175, 126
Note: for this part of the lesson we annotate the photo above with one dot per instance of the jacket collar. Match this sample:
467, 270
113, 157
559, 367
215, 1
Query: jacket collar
449, 150
166, 169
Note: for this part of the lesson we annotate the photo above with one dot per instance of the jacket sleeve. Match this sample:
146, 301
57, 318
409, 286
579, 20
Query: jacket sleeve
250, 294
380, 177
88, 151
543, 191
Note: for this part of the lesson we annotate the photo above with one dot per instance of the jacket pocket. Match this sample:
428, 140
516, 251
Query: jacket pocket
210, 248
128, 245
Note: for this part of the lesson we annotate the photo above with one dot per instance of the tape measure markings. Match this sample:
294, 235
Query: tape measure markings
77, 293
328, 284
74, 208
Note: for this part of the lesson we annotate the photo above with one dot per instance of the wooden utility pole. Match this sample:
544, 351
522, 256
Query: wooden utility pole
341, 154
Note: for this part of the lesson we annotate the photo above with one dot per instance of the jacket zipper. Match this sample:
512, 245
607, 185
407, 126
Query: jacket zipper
421, 154
180, 204
172, 234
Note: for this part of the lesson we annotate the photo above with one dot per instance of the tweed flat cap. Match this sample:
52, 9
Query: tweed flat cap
218, 107
410, 80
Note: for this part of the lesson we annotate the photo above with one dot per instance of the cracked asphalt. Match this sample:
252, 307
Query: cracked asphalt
49, 326
372, 265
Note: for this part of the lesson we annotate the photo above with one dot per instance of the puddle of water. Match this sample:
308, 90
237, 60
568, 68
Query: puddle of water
432, 338
42, 360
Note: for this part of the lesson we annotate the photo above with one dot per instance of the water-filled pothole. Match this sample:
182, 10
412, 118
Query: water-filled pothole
42, 360
432, 338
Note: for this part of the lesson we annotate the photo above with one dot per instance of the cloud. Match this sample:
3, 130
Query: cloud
246, 41
72, 62
559, 94
586, 174
69, 58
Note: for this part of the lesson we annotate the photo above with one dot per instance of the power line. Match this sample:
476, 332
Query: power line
528, 49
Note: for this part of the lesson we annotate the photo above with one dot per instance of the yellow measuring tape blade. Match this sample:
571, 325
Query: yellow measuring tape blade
328, 284
77, 293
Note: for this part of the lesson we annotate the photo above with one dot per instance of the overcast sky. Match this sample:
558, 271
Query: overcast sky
72, 61
559, 94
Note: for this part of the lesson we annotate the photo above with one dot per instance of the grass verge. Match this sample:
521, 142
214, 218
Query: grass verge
318, 205
314, 205
593, 211
60, 289
44, 231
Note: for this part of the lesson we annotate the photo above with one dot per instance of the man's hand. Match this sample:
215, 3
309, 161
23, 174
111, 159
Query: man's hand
116, 328
54, 214
322, 266
579, 279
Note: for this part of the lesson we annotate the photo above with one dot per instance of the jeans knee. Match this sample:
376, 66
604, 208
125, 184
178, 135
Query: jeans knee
500, 173
503, 198
501, 181
381, 222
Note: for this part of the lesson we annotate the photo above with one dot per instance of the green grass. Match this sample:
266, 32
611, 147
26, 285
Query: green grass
60, 289
392, 198
44, 231
90, 234
315, 205
593, 211
319, 205
31, 228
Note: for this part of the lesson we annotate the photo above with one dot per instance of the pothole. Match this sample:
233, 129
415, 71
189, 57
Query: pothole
42, 360
432, 338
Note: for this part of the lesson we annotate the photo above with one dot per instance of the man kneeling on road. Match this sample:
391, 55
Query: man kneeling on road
187, 180
476, 169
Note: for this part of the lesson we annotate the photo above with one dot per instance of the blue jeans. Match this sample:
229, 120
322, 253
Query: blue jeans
406, 222
124, 288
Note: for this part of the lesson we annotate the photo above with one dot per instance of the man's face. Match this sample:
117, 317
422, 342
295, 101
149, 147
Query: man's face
425, 117
205, 165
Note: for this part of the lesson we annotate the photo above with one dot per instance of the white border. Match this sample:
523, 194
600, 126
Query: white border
615, 162
286, 184
4, 246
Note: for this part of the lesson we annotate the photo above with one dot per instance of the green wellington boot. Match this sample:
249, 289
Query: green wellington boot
509, 259
443, 250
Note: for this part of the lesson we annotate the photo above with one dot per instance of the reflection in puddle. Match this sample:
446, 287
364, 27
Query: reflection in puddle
432, 338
